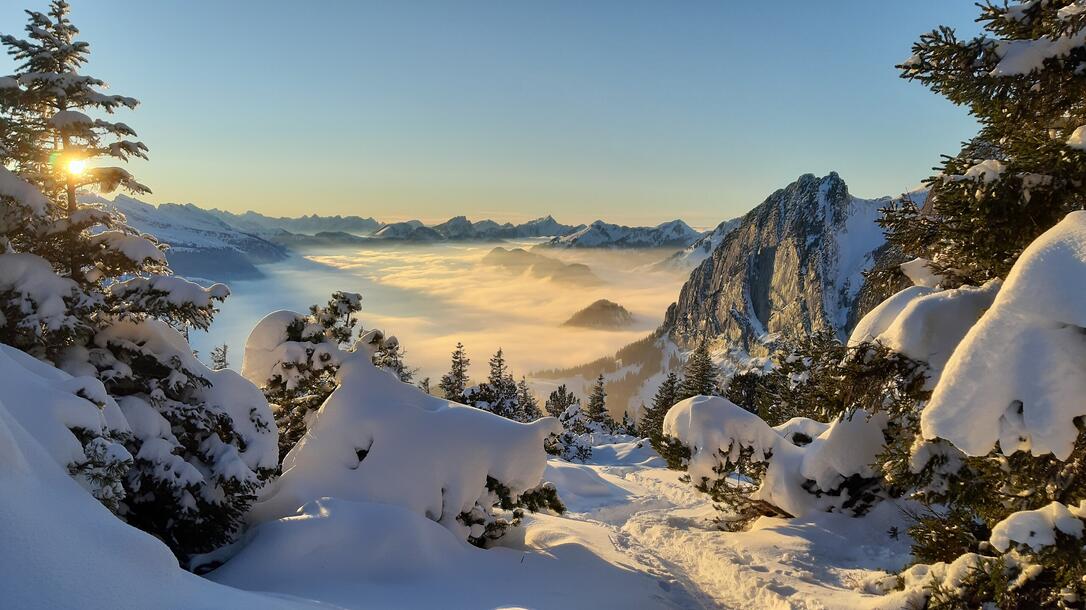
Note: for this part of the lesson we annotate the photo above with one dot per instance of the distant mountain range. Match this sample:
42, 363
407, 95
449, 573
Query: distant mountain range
255, 222
202, 245
219, 245
600, 234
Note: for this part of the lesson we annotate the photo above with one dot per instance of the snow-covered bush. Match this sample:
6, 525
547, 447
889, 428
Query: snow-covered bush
377, 439
204, 441
294, 359
1033, 559
754, 469
73, 418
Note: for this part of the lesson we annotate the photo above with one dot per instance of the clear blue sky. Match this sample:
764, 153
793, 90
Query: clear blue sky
632, 111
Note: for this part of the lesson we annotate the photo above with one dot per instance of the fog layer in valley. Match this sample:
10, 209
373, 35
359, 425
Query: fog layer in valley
431, 296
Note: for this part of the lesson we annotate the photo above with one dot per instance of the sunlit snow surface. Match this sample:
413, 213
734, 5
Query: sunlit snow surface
634, 537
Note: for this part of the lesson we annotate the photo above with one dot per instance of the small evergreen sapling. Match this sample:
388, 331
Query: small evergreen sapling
454, 384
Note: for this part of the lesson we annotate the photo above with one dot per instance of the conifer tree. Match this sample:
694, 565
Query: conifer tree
118, 312
311, 377
219, 359
652, 423
700, 375
527, 405
1024, 170
499, 393
596, 410
455, 382
1023, 80
424, 385
559, 400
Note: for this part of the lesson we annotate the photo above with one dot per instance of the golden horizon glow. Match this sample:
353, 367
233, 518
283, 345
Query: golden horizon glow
77, 166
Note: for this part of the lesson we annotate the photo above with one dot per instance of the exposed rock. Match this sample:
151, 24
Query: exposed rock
793, 266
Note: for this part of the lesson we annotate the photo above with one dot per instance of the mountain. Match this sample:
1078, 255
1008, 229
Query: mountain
201, 244
459, 228
794, 265
255, 222
519, 260
791, 266
411, 230
692, 255
602, 314
600, 234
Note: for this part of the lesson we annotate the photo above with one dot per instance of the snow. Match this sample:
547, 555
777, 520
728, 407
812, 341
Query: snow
920, 274
1016, 377
1037, 529
22, 191
1078, 138
268, 353
925, 325
51, 526
67, 119
716, 430
379, 440
601, 234
1021, 57
985, 172
229, 394
174, 290
39, 292
136, 248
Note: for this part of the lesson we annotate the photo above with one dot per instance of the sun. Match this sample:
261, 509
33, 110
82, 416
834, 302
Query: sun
76, 166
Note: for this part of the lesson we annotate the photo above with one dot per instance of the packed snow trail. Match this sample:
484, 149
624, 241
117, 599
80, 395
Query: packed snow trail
657, 520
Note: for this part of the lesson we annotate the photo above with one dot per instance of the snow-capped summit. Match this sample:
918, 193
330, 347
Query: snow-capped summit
700, 250
600, 234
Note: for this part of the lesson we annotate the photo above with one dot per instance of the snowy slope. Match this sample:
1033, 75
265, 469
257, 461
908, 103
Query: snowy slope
201, 244
600, 234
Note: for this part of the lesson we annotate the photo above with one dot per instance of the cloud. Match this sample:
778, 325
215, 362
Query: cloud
432, 296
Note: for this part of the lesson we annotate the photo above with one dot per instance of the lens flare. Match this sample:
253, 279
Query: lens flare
76, 166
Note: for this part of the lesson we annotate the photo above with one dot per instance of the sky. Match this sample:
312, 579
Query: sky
636, 112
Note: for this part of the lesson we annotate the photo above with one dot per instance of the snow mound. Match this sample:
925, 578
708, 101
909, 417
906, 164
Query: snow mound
1037, 529
1017, 377
924, 324
269, 353
717, 431
377, 439
51, 526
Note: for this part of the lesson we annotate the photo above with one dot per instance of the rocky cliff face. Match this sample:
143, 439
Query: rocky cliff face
793, 265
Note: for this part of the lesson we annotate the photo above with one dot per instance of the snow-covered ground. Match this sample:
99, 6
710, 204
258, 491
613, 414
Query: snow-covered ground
634, 536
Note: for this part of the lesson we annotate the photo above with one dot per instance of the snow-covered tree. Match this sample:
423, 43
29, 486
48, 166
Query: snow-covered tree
82, 289
1023, 80
700, 374
294, 360
499, 393
527, 405
454, 383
